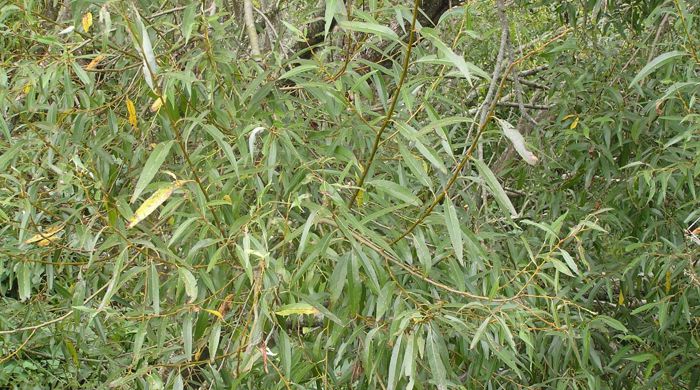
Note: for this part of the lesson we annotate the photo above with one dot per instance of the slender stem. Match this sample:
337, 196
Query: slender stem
377, 139
467, 155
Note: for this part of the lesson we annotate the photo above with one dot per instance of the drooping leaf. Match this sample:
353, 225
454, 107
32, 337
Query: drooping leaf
518, 142
656, 63
369, 28
454, 229
495, 187
155, 160
190, 283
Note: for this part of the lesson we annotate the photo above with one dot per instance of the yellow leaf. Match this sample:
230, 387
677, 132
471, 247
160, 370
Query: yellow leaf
152, 203
132, 112
45, 238
621, 299
215, 313
574, 124
87, 21
27, 88
95, 61
668, 281
157, 104
296, 308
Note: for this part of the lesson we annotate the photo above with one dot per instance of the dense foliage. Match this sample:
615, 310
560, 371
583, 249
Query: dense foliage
503, 198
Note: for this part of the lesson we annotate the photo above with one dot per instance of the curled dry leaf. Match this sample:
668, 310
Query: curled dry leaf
152, 203
518, 142
87, 21
95, 61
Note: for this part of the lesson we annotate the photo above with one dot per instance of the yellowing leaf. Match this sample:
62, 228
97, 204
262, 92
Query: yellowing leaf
152, 203
157, 104
621, 299
132, 112
214, 313
296, 308
95, 61
668, 281
27, 88
574, 124
87, 21
45, 238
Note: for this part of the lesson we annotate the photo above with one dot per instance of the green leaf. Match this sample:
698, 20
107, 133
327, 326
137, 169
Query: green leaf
496, 190
656, 63
299, 308
155, 288
397, 191
415, 166
153, 164
214, 338
370, 28
642, 357
187, 336
116, 273
190, 283
82, 74
570, 261
561, 267
465, 68
479, 331
437, 367
393, 364
188, 21
297, 70
454, 229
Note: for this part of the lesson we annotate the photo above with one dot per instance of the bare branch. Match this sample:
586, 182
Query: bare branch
250, 28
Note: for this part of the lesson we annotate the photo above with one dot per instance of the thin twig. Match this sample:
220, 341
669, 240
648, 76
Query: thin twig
467, 156
377, 139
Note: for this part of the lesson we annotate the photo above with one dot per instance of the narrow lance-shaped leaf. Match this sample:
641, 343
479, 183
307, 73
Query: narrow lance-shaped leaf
296, 308
155, 288
190, 283
150, 67
214, 339
188, 21
155, 160
152, 203
370, 28
437, 367
655, 64
187, 335
498, 193
453, 229
465, 68
46, 237
518, 142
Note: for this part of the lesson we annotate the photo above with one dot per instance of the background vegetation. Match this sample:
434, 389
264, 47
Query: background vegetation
360, 194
